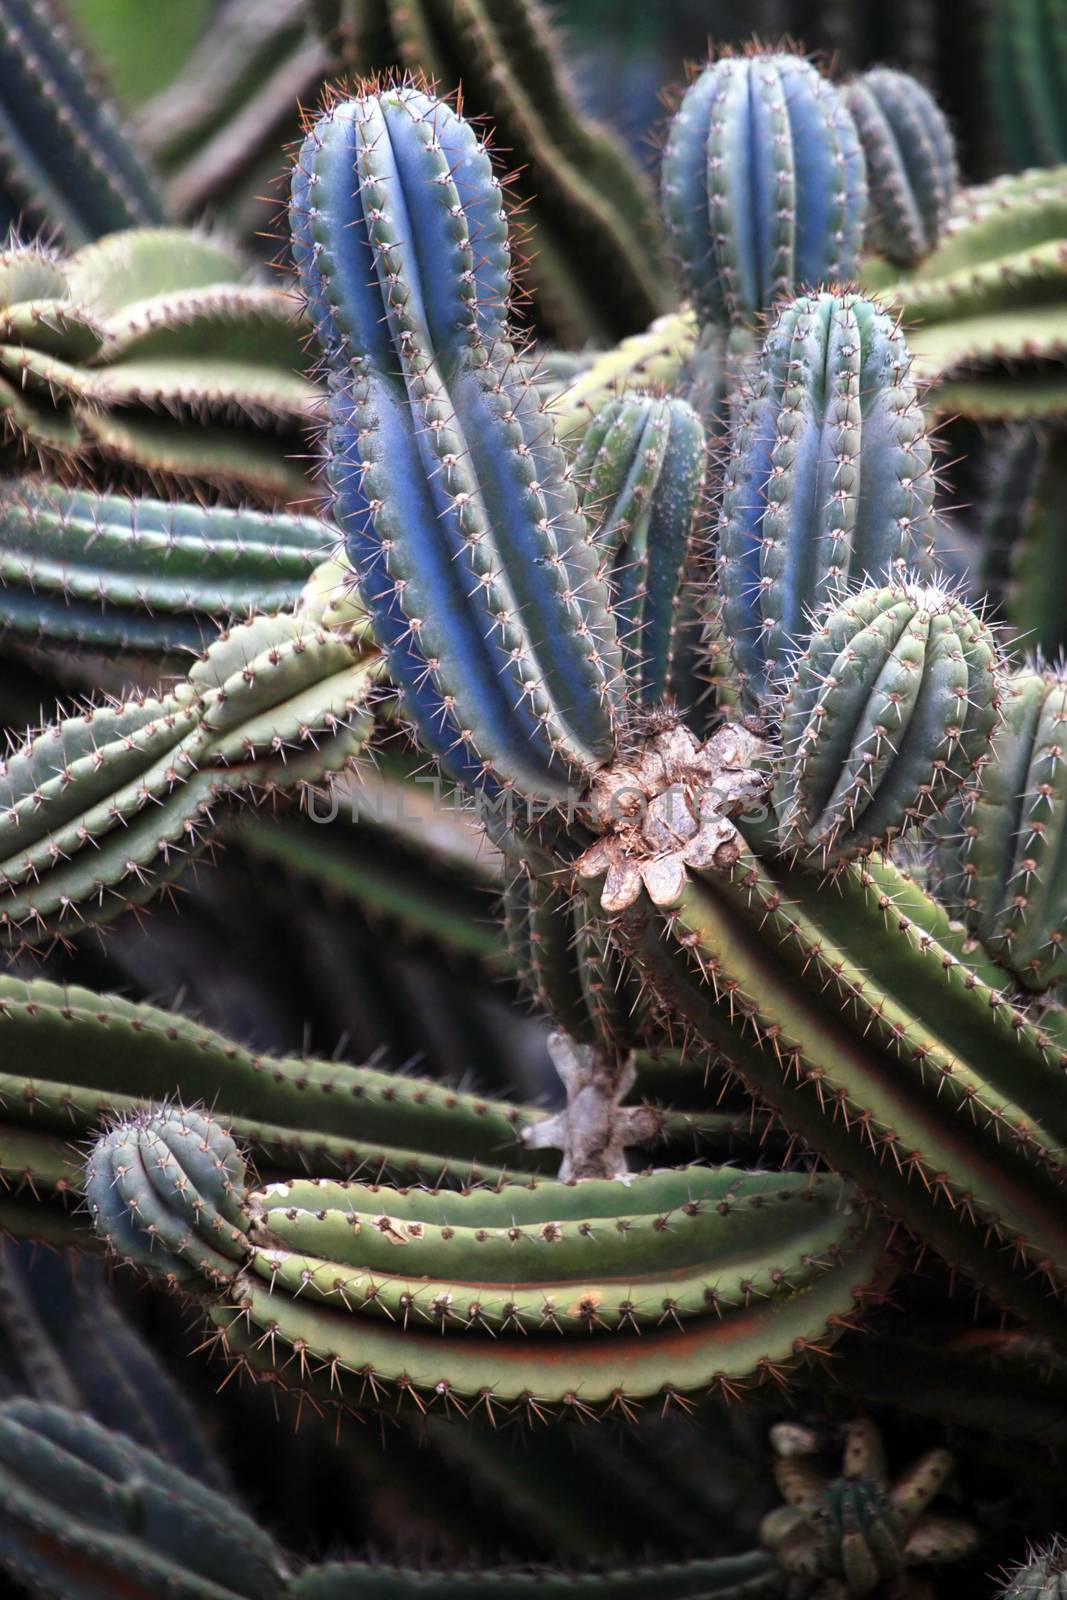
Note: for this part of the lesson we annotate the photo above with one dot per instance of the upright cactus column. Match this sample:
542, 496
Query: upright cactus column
763, 186
461, 520
829, 480
911, 162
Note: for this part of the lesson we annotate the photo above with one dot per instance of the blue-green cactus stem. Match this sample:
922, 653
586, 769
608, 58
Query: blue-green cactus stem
829, 481
166, 1191
889, 714
911, 162
1003, 857
642, 466
763, 186
461, 519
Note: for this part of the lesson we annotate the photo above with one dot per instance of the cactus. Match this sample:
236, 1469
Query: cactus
859, 1529
888, 716
474, 561
87, 1512
1022, 536
1043, 1576
642, 465
105, 807
911, 162
69, 167
764, 190
829, 480
153, 577
1026, 70
146, 350
595, 268
533, 1295
747, 1577
1001, 848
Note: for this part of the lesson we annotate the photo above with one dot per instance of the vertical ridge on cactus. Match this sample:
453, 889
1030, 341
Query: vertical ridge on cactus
764, 189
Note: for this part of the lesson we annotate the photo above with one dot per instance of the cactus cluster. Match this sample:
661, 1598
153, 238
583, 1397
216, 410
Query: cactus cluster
686, 737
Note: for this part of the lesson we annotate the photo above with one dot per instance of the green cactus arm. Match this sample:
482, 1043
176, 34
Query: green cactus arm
79, 567
745, 1577
1036, 561
87, 1512
68, 163
895, 1140
154, 1208
650, 359
274, 705
165, 452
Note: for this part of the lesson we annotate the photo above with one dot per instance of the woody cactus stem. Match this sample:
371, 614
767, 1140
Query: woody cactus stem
889, 714
588, 1294
455, 500
829, 480
102, 808
1002, 857
641, 467
911, 162
763, 186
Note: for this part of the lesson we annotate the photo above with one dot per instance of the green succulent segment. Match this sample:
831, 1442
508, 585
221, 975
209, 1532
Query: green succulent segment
763, 186
1024, 554
1026, 69
829, 481
989, 306
747, 1577
1002, 856
152, 576
68, 164
589, 1290
654, 358
86, 1512
216, 128
911, 162
642, 466
71, 1056
596, 269
474, 560
148, 350
102, 808
889, 714
921, 1077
